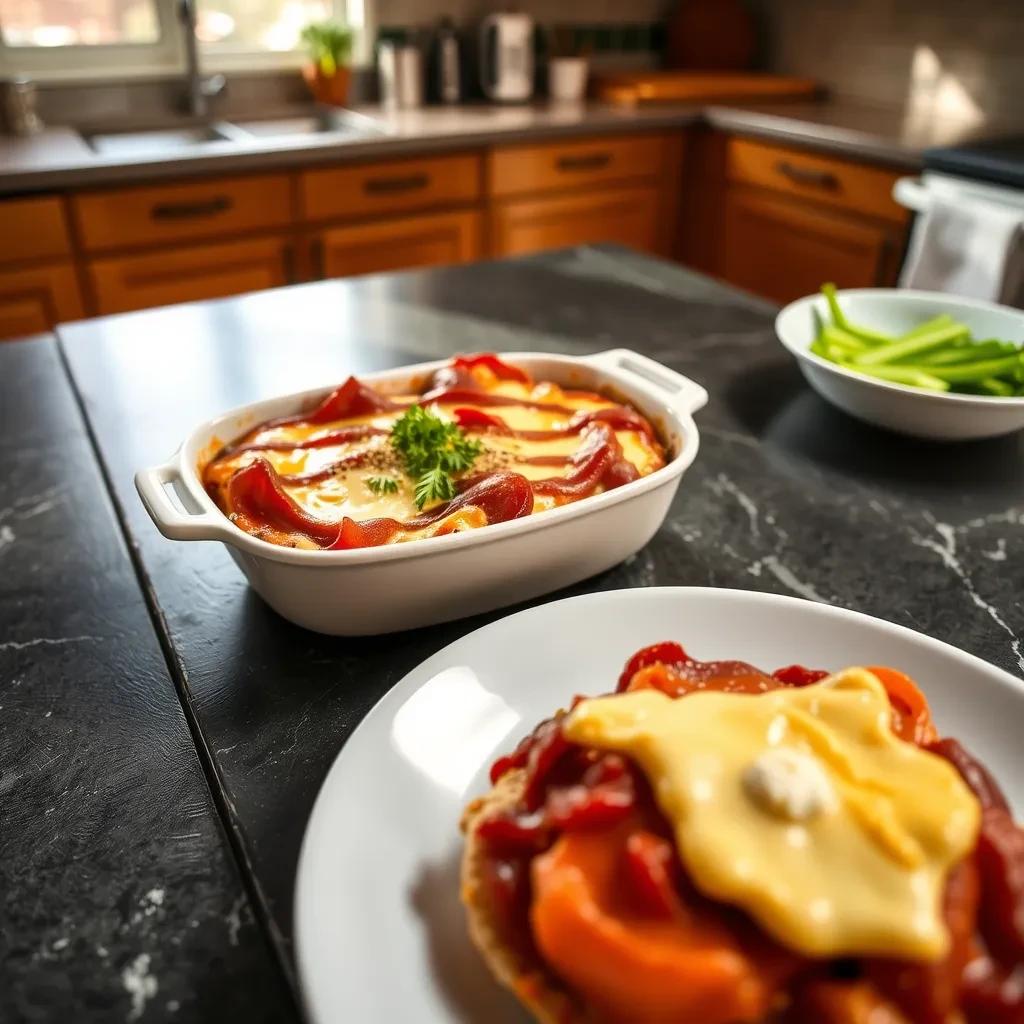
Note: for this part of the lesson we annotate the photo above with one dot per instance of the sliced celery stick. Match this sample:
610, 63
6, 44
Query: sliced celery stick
842, 339
965, 353
942, 320
997, 387
911, 346
864, 334
971, 373
902, 375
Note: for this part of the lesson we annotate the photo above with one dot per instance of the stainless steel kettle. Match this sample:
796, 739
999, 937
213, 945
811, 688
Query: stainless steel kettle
506, 57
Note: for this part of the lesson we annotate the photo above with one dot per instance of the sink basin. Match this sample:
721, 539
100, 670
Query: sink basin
186, 136
333, 122
128, 143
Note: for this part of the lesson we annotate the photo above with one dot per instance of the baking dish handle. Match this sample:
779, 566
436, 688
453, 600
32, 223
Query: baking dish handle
684, 395
172, 521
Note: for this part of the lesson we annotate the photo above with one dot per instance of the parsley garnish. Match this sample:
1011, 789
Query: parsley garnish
432, 450
382, 485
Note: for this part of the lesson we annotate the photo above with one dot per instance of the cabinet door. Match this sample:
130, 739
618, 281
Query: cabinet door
423, 241
783, 249
628, 216
188, 275
35, 299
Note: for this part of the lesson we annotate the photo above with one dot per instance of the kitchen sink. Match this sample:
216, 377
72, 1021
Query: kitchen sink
149, 141
340, 123
133, 142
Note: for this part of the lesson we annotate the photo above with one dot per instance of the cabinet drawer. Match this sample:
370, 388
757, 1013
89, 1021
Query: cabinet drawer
34, 299
190, 274
783, 248
365, 190
173, 213
628, 216
849, 186
428, 240
32, 228
515, 170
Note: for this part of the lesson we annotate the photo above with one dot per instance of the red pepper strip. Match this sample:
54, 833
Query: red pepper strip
618, 417
466, 396
598, 462
666, 653
797, 675
500, 496
582, 807
500, 369
978, 778
459, 372
255, 493
471, 418
648, 862
911, 716
353, 398
1000, 854
327, 440
350, 461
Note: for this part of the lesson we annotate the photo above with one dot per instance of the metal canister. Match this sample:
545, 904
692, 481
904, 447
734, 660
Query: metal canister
400, 68
20, 116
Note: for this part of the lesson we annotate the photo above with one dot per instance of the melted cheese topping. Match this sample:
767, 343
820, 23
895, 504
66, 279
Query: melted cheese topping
345, 493
853, 862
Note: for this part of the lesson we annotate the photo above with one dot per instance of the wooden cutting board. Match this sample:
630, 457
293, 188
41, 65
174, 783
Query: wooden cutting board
632, 87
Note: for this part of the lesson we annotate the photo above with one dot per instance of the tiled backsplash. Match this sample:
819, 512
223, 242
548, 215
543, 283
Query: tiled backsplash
950, 56
426, 12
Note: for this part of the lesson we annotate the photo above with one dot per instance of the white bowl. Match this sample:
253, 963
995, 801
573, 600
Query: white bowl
935, 415
367, 591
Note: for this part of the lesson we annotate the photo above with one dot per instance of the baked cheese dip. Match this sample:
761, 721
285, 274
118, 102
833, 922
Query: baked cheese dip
483, 443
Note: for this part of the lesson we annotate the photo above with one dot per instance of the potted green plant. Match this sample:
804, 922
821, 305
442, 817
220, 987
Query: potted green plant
330, 49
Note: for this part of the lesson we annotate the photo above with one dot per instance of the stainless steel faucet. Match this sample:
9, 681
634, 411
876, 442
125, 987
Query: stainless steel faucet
199, 89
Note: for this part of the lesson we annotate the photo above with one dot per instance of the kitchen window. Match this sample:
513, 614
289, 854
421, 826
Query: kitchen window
54, 39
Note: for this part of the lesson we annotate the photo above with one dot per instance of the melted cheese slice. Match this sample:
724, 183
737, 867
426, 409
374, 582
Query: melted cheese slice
860, 870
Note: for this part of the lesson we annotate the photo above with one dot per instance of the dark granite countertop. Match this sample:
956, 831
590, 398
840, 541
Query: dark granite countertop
59, 158
787, 495
121, 897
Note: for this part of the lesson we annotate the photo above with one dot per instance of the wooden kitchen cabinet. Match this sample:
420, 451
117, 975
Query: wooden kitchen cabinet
628, 216
780, 221
576, 164
155, 215
421, 241
35, 299
189, 274
38, 285
387, 187
783, 249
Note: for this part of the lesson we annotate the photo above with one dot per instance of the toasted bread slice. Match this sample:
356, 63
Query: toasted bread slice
535, 988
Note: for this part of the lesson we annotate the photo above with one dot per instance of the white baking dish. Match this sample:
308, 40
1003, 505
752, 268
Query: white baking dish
399, 586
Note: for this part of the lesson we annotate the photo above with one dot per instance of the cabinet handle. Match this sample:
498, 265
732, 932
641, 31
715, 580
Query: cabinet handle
388, 186
586, 162
808, 175
191, 210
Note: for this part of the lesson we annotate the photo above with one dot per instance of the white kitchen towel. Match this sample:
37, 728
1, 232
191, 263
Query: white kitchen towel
968, 247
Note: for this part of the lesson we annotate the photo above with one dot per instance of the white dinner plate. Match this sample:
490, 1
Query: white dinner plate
380, 931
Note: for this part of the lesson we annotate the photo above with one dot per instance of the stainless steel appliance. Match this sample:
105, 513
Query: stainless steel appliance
506, 57
400, 66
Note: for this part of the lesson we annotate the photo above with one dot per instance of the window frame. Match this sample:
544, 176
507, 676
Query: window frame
165, 57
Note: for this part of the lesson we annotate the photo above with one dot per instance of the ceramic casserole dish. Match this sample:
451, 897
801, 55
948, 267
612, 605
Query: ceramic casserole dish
374, 590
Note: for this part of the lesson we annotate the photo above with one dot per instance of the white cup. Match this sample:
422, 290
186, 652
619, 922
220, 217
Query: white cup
567, 79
